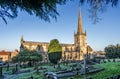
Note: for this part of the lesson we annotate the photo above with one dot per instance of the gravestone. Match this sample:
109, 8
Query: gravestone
84, 67
8, 67
17, 67
0, 71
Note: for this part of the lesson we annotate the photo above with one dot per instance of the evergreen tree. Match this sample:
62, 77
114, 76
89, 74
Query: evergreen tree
54, 51
46, 9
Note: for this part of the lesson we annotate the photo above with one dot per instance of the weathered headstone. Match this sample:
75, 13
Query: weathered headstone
0, 71
8, 67
16, 68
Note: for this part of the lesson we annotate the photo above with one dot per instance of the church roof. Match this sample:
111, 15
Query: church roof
33, 42
45, 43
5, 52
89, 48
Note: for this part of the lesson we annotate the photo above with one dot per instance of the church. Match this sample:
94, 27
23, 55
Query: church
75, 51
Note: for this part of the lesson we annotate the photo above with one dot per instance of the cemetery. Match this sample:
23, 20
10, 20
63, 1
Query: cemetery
73, 70
41, 56
28, 65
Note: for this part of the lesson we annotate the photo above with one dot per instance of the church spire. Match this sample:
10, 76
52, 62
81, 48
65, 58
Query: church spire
79, 30
22, 39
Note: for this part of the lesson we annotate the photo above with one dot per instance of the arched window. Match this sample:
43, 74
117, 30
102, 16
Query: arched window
71, 48
77, 49
66, 49
40, 48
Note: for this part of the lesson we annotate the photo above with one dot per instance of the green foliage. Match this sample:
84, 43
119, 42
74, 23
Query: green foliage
112, 51
46, 9
27, 55
54, 57
43, 9
15, 59
54, 51
54, 46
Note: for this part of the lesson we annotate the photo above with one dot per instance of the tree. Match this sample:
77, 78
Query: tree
54, 51
43, 9
35, 57
112, 51
28, 56
46, 9
97, 6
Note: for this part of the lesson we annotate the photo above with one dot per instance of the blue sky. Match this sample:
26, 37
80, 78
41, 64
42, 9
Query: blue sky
34, 29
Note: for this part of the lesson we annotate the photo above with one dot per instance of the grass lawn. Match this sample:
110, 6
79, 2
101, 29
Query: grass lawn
111, 69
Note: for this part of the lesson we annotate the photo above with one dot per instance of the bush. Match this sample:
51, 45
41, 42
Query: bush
54, 57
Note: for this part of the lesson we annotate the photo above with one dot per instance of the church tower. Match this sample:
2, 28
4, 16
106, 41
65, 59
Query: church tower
80, 43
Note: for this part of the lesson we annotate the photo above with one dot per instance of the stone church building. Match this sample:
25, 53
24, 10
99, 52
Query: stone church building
75, 51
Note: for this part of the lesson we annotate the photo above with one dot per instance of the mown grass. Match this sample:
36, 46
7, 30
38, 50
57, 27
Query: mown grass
111, 69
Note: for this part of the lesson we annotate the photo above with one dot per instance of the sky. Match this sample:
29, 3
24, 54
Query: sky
100, 35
